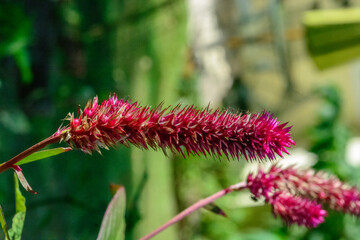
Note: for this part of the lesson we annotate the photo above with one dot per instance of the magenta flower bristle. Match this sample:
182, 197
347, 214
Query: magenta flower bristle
186, 130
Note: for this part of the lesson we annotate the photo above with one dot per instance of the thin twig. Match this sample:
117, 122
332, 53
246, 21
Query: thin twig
194, 207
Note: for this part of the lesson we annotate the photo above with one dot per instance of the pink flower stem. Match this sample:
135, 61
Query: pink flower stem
11, 163
196, 206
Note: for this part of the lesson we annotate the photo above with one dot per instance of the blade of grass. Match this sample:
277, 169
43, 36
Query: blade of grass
3, 224
113, 224
19, 217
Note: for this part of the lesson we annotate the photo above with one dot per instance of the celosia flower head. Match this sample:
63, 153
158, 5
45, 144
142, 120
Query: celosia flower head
180, 129
320, 186
306, 185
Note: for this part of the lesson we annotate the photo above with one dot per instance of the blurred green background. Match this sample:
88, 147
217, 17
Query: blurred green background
245, 55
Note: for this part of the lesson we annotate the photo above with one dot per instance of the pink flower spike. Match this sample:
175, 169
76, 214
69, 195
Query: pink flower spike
297, 210
317, 186
180, 129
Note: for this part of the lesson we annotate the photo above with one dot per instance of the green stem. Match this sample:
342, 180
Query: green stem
27, 152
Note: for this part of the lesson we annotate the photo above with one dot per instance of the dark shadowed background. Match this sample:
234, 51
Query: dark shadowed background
246, 55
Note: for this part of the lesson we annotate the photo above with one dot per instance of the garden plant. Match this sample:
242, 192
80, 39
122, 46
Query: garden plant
297, 196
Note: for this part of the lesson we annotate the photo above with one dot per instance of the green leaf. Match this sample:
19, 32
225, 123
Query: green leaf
332, 36
114, 188
113, 223
19, 217
212, 207
43, 154
3, 224
24, 182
